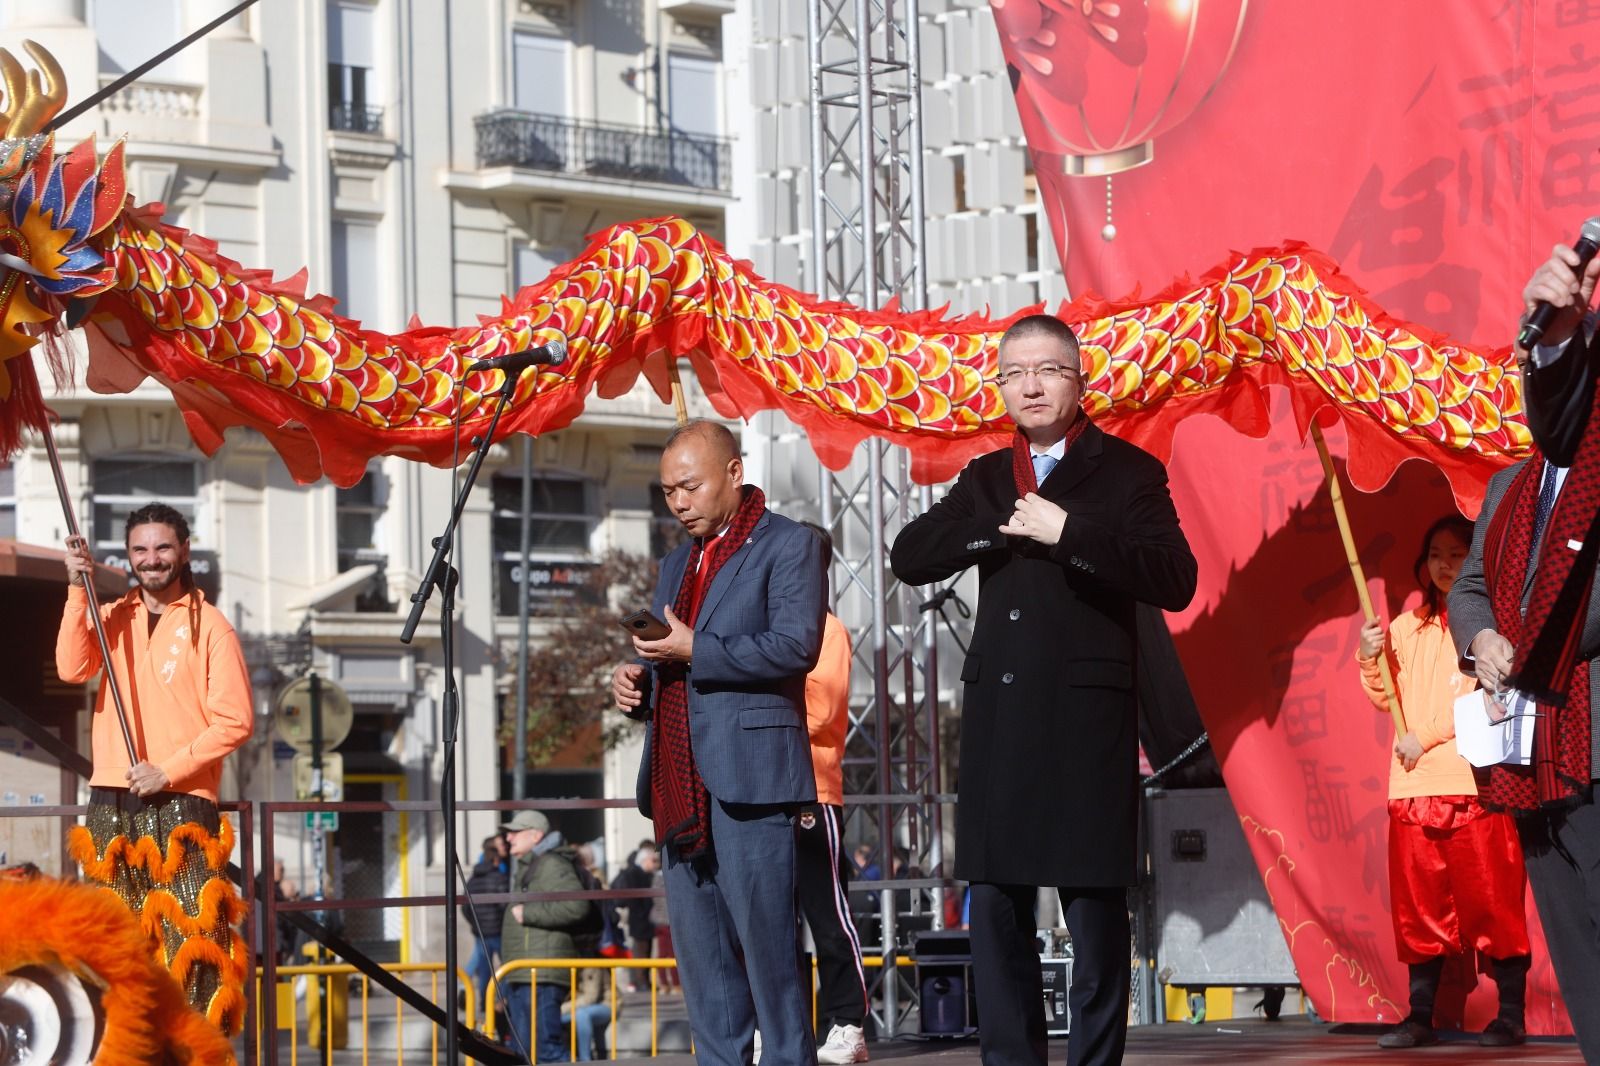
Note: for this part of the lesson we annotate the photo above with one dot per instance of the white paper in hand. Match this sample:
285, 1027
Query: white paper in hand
1485, 742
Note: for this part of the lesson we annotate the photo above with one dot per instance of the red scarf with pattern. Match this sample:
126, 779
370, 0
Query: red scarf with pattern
1022, 455
680, 804
1547, 665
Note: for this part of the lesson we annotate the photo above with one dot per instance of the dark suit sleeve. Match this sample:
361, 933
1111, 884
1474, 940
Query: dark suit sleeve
1469, 607
1146, 557
796, 604
949, 538
1560, 394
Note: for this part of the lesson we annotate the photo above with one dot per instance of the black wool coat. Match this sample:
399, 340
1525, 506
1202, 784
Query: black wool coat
1048, 786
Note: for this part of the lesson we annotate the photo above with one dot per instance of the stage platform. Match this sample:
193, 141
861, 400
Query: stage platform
1291, 1039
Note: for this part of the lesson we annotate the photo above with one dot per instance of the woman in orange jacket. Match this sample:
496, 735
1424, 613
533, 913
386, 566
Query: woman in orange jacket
1455, 868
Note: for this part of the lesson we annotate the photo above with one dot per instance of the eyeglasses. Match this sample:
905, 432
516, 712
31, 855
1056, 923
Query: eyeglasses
1048, 372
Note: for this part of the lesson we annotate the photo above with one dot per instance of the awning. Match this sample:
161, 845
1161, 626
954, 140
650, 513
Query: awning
35, 562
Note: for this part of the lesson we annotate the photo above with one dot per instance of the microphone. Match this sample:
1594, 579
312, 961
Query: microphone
1538, 320
514, 363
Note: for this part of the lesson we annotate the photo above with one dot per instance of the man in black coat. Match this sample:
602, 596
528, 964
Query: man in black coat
1069, 529
639, 873
490, 876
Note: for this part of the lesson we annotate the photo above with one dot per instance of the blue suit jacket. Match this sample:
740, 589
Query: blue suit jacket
757, 635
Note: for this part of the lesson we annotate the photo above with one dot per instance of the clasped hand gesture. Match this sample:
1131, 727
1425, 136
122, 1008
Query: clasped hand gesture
1036, 518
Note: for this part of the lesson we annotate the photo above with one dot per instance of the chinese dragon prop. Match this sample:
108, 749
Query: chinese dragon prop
237, 347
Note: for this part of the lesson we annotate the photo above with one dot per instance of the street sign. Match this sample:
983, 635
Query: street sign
325, 820
305, 783
293, 720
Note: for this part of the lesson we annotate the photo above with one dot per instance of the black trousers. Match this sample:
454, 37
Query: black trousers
1007, 975
821, 874
1562, 851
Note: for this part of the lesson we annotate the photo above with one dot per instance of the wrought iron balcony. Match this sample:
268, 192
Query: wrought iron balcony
355, 118
596, 149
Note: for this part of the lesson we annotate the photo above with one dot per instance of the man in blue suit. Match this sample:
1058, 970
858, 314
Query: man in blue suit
726, 758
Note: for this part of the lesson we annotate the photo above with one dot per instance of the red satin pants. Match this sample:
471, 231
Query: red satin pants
1456, 878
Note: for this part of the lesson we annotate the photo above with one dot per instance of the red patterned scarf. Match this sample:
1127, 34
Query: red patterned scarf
679, 801
1022, 455
1547, 665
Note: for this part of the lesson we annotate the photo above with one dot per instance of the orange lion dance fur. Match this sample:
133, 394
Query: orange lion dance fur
92, 933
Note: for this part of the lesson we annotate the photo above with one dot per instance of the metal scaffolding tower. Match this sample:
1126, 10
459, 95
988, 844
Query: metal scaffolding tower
867, 248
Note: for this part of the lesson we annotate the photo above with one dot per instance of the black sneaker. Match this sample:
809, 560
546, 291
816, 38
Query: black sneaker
1501, 1033
1409, 1033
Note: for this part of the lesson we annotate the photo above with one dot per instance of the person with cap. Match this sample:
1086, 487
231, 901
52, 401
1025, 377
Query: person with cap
541, 929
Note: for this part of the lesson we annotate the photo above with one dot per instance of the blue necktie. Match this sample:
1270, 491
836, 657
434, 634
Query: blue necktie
1043, 463
1547, 503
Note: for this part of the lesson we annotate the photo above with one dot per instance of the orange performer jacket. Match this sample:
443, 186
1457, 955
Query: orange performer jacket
1428, 678
828, 710
188, 698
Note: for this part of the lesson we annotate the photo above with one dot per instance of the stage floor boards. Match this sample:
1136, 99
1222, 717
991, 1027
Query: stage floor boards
1235, 1043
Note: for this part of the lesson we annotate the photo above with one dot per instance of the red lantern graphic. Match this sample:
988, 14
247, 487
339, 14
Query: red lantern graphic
1099, 80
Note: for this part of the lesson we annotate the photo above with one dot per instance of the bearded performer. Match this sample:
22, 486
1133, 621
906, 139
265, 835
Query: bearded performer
1070, 530
727, 763
1525, 619
153, 833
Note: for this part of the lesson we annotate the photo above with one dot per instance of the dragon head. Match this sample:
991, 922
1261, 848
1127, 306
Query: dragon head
52, 208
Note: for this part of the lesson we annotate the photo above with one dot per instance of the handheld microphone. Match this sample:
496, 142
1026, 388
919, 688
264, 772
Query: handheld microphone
1538, 320
514, 363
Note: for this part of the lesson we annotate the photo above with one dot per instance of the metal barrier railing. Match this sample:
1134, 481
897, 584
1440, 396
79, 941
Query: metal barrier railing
324, 975
491, 1000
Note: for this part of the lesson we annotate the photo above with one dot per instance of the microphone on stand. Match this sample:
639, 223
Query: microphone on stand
514, 363
1538, 319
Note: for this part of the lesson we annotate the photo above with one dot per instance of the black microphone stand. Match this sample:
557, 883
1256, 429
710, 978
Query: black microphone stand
443, 575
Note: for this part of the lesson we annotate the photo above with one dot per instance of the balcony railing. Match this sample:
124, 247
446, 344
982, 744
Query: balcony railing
355, 118
596, 149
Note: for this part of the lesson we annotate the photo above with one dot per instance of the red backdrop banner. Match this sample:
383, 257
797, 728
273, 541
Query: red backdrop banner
1436, 152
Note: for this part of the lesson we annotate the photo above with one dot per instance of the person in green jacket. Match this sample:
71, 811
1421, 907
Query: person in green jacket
542, 929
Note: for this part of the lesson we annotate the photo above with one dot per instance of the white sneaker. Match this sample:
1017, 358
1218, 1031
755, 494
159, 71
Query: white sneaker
845, 1044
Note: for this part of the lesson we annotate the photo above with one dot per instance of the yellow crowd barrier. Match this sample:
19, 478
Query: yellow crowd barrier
327, 1018
327, 1024
491, 999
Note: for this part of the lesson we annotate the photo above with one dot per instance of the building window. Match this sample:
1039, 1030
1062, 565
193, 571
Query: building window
122, 486
357, 513
533, 264
694, 115
8, 501
563, 523
358, 516
129, 34
352, 33
539, 72
355, 270
694, 99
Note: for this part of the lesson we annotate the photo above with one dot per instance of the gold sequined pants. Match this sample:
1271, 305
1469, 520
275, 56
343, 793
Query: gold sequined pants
166, 856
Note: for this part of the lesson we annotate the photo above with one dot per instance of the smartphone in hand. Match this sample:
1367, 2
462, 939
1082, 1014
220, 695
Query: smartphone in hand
645, 626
